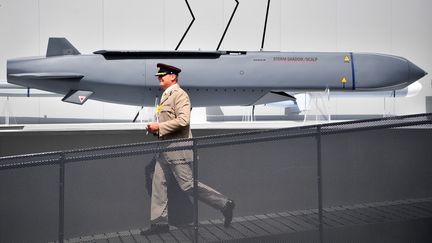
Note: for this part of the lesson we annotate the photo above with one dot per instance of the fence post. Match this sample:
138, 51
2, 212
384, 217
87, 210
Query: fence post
61, 198
319, 182
195, 190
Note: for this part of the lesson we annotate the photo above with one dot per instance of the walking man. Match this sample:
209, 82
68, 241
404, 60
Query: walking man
174, 122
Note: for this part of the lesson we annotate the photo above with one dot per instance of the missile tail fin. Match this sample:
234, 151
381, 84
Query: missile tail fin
60, 47
78, 97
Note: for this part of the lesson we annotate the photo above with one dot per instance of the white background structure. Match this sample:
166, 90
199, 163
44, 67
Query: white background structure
397, 27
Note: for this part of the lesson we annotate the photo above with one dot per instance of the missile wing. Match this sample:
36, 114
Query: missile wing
212, 78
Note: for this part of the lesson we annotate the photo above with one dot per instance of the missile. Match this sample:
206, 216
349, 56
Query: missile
211, 78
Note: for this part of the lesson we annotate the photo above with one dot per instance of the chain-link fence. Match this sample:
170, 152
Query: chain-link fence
317, 135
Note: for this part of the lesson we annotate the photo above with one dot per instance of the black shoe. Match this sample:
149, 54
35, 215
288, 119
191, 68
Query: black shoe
156, 229
227, 212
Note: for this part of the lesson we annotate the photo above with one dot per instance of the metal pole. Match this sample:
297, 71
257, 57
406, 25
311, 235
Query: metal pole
319, 174
195, 190
265, 25
229, 22
61, 199
7, 111
190, 25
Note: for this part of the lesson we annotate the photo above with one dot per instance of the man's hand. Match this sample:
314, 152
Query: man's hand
153, 127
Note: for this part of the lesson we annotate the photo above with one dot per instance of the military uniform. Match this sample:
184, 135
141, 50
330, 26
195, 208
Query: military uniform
174, 122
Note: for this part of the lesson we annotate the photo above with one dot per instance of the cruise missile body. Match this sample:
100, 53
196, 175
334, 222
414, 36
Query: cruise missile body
211, 78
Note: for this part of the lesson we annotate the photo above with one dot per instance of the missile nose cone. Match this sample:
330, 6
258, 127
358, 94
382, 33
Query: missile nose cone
415, 73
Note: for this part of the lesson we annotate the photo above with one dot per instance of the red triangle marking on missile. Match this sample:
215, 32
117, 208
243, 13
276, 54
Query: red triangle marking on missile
82, 98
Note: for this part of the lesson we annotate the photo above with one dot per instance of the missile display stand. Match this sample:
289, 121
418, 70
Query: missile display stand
318, 106
389, 105
7, 111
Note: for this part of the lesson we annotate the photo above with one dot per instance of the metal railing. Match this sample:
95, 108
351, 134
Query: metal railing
69, 156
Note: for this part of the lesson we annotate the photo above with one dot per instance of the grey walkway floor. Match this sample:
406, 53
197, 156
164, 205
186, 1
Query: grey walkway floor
281, 223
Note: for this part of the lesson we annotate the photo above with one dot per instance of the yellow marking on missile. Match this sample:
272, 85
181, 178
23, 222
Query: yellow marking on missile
347, 59
344, 80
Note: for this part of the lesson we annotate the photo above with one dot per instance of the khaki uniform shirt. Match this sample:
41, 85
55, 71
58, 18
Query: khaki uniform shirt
174, 122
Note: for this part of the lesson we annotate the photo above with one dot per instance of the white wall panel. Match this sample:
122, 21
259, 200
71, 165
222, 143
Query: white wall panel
19, 31
412, 38
127, 112
19, 107
176, 21
245, 32
309, 25
364, 26
80, 21
207, 28
133, 25
274, 30
412, 32
412, 28
52, 108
